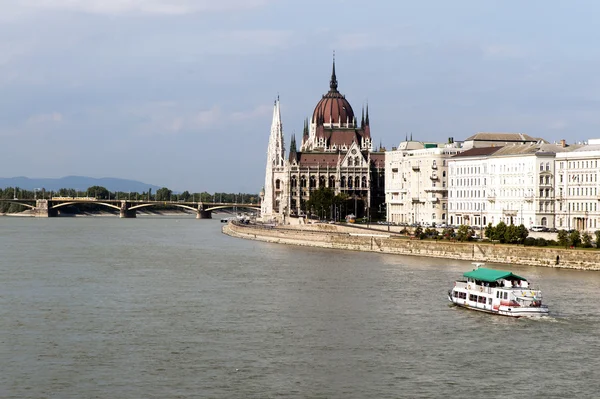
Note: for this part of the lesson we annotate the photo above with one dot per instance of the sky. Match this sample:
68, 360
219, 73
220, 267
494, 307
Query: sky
179, 93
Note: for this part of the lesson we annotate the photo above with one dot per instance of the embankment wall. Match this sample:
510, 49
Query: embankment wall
337, 237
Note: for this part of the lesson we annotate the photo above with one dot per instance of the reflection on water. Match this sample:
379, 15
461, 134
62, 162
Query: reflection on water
169, 307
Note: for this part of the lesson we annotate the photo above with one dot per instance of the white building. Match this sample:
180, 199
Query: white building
577, 193
416, 182
513, 184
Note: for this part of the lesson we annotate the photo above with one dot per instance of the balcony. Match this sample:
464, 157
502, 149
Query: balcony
416, 200
436, 189
434, 176
434, 166
433, 198
416, 168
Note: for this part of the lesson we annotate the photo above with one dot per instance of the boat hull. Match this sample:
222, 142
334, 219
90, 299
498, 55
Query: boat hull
504, 310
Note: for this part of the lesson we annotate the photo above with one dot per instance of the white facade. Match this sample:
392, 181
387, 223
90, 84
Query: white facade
512, 184
416, 183
577, 193
274, 191
521, 190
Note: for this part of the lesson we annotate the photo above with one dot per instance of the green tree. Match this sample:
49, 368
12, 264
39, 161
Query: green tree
464, 233
597, 234
500, 232
418, 232
586, 240
321, 201
163, 194
98, 192
522, 233
489, 231
448, 233
563, 238
575, 238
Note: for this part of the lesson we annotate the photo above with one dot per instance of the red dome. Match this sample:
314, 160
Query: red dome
333, 107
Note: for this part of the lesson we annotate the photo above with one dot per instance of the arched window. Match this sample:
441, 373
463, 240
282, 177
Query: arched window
277, 184
547, 165
349, 182
357, 161
321, 181
357, 182
349, 161
544, 221
303, 181
331, 181
364, 181
294, 182
313, 182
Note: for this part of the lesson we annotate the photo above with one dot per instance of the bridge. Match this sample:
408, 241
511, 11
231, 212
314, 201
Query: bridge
126, 208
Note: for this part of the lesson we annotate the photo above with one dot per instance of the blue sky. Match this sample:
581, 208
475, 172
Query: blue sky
179, 93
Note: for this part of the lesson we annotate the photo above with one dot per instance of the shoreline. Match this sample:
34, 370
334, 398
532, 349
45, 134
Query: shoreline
357, 239
28, 214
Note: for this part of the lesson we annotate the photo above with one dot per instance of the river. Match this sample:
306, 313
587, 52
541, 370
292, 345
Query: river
168, 307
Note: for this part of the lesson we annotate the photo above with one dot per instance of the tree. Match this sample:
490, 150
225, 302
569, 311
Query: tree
163, 194
321, 201
419, 232
489, 231
449, 233
98, 192
597, 234
575, 238
500, 232
586, 240
522, 233
563, 238
465, 233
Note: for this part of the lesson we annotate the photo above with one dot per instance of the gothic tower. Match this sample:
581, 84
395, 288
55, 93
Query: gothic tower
271, 201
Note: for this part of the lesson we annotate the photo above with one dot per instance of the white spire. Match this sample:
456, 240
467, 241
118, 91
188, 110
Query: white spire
275, 162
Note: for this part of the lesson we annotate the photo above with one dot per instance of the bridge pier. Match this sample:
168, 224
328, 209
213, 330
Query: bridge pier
127, 213
43, 209
202, 214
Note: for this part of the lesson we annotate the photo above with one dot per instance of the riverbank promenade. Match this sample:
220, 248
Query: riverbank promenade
348, 237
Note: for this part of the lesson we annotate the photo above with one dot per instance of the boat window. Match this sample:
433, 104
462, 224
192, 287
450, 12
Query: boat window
490, 301
506, 295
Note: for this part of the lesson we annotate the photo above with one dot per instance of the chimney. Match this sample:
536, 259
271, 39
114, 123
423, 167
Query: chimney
563, 143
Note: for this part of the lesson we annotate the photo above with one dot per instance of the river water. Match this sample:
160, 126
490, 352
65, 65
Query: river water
169, 307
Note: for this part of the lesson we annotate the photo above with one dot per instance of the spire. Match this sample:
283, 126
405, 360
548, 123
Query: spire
367, 117
333, 84
293, 149
411, 136
362, 119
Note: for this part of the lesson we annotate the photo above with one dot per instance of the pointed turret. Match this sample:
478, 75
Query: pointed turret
367, 116
362, 118
333, 84
293, 151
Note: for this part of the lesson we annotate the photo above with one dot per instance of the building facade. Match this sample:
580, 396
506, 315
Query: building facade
576, 188
513, 184
336, 152
417, 183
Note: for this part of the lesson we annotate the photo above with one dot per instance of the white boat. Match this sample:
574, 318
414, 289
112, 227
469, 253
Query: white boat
499, 292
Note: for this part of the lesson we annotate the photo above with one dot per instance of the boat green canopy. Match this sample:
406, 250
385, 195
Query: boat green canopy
491, 275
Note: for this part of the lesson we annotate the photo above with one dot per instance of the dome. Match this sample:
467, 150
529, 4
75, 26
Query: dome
333, 107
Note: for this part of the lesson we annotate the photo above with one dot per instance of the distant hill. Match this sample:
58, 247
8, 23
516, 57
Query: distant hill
79, 183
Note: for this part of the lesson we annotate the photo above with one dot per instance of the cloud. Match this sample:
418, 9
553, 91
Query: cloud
356, 41
123, 7
45, 119
503, 51
168, 118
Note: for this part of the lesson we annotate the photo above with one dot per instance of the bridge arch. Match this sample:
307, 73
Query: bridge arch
77, 202
21, 203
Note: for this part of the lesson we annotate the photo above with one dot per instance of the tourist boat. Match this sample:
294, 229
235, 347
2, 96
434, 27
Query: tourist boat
499, 292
